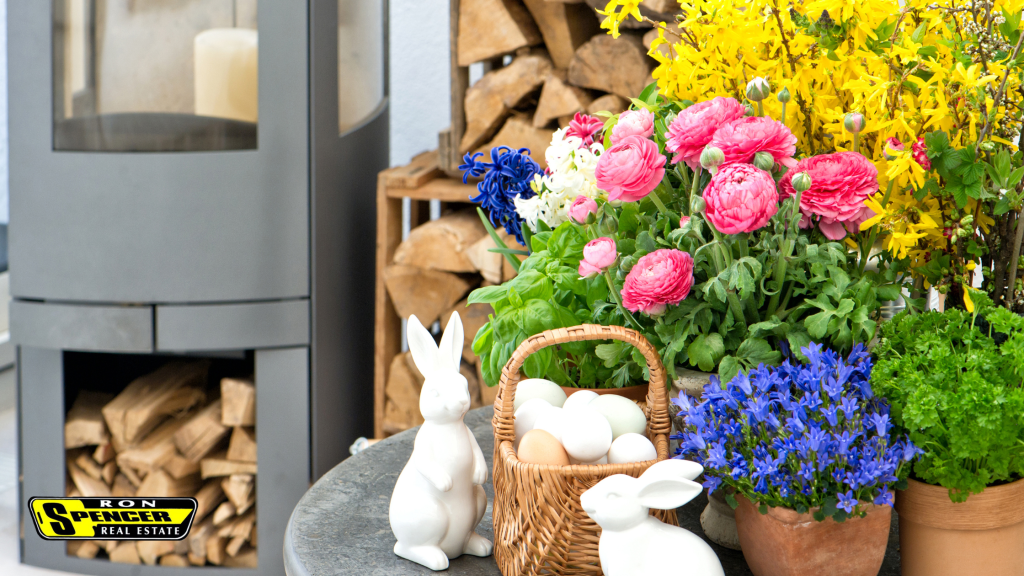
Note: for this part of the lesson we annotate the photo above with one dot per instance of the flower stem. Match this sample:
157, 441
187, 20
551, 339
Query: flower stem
783, 113
760, 108
865, 249
658, 202
696, 184
856, 141
618, 300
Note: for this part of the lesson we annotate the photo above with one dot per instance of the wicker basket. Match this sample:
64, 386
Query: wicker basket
539, 525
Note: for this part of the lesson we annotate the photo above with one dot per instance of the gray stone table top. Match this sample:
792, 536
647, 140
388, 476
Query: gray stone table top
341, 527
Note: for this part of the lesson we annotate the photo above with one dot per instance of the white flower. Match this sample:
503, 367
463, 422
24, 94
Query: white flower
570, 174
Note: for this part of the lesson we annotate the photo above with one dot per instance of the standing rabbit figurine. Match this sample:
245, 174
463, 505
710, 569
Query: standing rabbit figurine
634, 543
439, 497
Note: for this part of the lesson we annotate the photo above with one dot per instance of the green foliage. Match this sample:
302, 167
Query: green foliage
955, 384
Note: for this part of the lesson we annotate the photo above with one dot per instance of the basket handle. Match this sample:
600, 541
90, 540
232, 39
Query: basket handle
657, 397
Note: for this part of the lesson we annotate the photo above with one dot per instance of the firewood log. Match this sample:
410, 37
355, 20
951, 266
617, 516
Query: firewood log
223, 513
178, 466
207, 499
160, 484
246, 558
89, 466
518, 132
153, 451
558, 99
125, 553
238, 402
474, 316
242, 446
402, 394
215, 553
489, 28
149, 399
104, 452
175, 560
239, 489
84, 425
490, 101
612, 103
441, 244
197, 539
86, 549
150, 551
204, 432
108, 473
425, 293
565, 27
122, 487
219, 465
88, 486
616, 65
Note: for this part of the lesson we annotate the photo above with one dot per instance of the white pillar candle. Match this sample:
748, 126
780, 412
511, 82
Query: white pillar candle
226, 74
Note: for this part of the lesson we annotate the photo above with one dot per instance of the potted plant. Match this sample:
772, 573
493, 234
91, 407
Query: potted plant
809, 458
954, 380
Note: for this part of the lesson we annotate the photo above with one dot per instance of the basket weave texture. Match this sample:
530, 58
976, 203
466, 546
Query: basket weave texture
539, 525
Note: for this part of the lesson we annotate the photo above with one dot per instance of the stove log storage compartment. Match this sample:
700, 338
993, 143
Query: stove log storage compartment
144, 233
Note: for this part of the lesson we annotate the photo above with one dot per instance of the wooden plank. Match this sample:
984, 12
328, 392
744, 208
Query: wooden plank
422, 169
448, 140
444, 189
387, 324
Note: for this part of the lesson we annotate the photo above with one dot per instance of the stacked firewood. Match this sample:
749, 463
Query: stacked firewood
431, 274
561, 63
167, 435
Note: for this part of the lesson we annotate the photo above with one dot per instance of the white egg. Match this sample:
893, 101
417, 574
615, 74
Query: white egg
586, 435
552, 421
579, 398
630, 448
622, 414
538, 388
527, 416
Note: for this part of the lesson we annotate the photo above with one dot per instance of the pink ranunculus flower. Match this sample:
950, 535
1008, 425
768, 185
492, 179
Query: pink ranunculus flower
662, 278
582, 207
693, 128
597, 255
740, 139
630, 170
919, 152
584, 127
633, 123
740, 198
840, 183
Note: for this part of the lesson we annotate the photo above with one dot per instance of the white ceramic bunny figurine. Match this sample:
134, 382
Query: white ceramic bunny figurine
633, 542
439, 497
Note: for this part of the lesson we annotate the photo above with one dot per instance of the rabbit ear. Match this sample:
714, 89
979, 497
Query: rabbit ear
673, 468
421, 344
451, 343
668, 493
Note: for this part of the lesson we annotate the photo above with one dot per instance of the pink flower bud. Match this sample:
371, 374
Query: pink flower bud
683, 221
633, 123
581, 208
597, 255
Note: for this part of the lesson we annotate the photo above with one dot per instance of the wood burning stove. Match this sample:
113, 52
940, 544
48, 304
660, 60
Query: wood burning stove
195, 180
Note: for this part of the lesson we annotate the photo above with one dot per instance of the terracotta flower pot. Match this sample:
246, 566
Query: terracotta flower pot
785, 543
983, 536
634, 393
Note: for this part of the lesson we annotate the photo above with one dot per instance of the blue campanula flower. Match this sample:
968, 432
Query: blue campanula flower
795, 424
847, 502
717, 456
884, 498
758, 408
811, 400
880, 422
831, 414
711, 482
849, 407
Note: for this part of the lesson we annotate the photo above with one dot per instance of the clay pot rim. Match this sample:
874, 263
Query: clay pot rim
791, 516
992, 508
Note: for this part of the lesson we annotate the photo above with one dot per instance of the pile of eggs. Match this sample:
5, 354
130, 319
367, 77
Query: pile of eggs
584, 428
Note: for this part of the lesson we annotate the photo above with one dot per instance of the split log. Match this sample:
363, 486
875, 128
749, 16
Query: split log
252, 537
441, 244
84, 425
104, 452
223, 513
238, 402
125, 553
490, 101
197, 539
88, 486
86, 549
215, 553
149, 399
89, 466
656, 10
518, 132
219, 465
239, 489
565, 27
489, 28
178, 466
107, 545
240, 533
246, 558
242, 446
616, 65
150, 551
488, 263
612, 103
108, 473
151, 452
122, 487
175, 560
132, 477
558, 99
204, 432
207, 499
402, 394
474, 316
160, 484
425, 293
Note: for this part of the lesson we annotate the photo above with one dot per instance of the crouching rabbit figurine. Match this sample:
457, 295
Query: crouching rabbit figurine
633, 543
439, 497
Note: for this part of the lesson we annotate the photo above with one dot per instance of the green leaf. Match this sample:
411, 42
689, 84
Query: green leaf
730, 499
649, 94
888, 292
705, 351
728, 368
757, 351
919, 32
514, 262
487, 294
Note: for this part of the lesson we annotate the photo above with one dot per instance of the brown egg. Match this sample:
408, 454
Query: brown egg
541, 447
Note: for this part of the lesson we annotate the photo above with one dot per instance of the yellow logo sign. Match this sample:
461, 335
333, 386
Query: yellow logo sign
112, 518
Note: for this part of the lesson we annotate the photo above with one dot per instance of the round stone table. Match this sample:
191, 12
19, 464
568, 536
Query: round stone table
340, 526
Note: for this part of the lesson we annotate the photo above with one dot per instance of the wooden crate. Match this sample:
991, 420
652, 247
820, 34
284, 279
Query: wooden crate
421, 181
